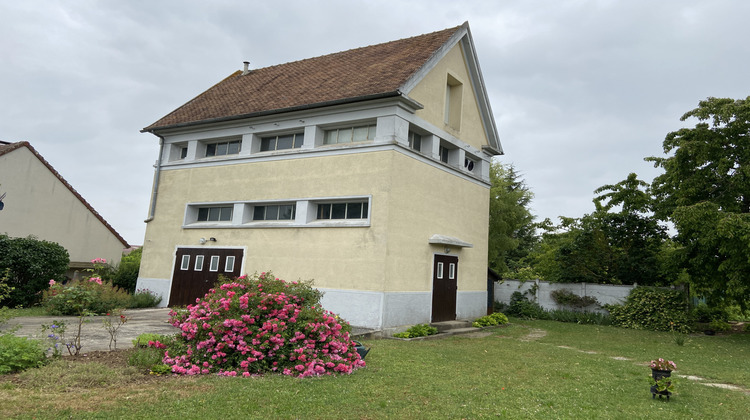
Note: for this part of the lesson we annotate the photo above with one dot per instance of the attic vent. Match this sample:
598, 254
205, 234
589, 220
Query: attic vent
246, 70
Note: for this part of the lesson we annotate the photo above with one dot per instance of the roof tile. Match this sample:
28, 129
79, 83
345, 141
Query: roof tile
340, 77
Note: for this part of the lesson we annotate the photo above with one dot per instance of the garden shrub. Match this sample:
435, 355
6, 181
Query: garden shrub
20, 353
80, 297
144, 298
521, 307
648, 308
720, 326
567, 298
259, 324
577, 317
705, 313
496, 318
419, 330
126, 273
31, 263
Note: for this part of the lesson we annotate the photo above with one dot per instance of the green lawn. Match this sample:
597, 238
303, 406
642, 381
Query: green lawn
503, 375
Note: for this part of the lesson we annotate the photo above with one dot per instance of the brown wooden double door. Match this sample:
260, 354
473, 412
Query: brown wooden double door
197, 269
444, 287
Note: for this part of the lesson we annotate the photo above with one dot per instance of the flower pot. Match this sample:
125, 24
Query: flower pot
658, 374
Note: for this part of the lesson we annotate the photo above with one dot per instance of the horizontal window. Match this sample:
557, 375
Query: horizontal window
214, 214
223, 148
287, 141
349, 134
274, 212
333, 211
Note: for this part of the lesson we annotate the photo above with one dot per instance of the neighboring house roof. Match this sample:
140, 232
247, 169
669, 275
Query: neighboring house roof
6, 148
363, 73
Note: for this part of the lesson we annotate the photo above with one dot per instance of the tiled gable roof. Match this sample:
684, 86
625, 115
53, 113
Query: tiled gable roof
348, 76
5, 149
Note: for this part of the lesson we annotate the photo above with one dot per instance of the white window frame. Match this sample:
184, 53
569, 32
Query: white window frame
451, 271
198, 263
439, 270
214, 264
229, 264
185, 263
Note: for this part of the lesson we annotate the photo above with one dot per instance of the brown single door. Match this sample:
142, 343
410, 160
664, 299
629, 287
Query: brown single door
444, 286
197, 269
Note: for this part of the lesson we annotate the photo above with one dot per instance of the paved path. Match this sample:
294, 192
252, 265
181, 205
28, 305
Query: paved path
93, 334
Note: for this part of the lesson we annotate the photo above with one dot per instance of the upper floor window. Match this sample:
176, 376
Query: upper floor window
223, 148
415, 141
286, 141
355, 210
214, 214
444, 153
349, 134
453, 102
274, 212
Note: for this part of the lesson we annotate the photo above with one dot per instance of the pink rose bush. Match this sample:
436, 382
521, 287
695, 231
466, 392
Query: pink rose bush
249, 326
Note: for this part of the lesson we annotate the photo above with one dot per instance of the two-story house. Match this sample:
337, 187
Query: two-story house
365, 170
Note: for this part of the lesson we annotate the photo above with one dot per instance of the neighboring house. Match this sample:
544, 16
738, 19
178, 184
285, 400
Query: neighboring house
37, 201
365, 170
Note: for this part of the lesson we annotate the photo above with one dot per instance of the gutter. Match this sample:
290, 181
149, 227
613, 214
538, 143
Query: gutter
157, 174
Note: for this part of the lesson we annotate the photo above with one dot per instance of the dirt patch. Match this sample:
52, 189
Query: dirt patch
535, 334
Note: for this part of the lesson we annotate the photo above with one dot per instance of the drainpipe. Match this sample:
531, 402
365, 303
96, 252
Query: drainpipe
157, 173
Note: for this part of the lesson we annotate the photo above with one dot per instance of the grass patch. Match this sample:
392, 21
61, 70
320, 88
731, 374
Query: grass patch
500, 375
33, 311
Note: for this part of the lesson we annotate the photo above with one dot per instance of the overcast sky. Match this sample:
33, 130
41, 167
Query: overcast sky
581, 90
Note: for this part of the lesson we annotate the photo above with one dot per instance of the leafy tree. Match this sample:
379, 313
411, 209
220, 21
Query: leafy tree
31, 264
512, 232
622, 247
705, 192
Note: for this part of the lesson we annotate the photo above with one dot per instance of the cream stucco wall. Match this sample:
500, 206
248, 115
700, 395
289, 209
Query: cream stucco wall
411, 201
321, 253
430, 92
38, 204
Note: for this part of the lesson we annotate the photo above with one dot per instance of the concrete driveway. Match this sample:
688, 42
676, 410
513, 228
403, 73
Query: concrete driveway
93, 334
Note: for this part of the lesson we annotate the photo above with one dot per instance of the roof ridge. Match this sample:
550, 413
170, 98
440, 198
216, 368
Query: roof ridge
455, 28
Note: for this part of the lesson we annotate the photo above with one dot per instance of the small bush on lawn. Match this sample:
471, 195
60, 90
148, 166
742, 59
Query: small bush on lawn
79, 297
259, 324
496, 318
648, 308
20, 353
144, 298
419, 330
143, 339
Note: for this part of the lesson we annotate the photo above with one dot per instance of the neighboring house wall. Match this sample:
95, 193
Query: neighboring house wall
39, 203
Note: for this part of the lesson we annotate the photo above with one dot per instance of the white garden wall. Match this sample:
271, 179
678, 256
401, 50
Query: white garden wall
604, 293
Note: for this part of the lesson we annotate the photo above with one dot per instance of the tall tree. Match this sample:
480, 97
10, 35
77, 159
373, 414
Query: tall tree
705, 192
511, 230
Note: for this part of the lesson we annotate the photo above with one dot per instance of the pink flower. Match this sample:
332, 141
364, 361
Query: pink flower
97, 280
52, 282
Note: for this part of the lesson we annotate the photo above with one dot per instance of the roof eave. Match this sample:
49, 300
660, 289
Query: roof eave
344, 101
